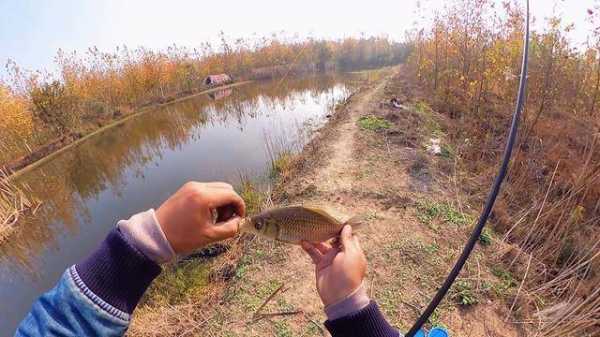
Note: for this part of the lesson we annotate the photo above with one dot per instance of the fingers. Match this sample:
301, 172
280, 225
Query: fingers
346, 237
323, 247
218, 184
227, 229
312, 251
224, 213
219, 197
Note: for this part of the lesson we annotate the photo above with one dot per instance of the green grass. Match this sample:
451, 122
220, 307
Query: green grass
432, 210
242, 266
312, 329
435, 317
422, 107
281, 164
253, 198
283, 329
373, 123
464, 294
507, 282
432, 248
178, 282
447, 151
430, 124
485, 239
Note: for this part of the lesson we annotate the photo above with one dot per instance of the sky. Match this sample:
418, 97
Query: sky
31, 32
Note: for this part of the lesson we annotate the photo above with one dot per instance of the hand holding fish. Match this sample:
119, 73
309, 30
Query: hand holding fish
187, 217
339, 270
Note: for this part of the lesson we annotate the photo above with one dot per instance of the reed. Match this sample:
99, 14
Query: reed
13, 204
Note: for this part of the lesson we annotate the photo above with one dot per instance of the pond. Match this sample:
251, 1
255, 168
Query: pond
138, 164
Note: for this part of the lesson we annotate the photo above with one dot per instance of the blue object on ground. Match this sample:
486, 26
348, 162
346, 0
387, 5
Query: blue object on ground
420, 333
438, 332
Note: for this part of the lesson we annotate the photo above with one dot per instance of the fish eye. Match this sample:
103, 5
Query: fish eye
258, 225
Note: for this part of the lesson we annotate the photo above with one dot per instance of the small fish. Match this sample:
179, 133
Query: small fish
294, 224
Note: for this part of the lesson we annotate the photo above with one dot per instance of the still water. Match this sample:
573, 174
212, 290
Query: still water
137, 165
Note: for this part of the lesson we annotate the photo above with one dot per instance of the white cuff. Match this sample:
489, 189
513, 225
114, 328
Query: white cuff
354, 302
145, 233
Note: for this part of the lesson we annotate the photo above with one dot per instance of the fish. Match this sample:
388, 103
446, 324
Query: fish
294, 224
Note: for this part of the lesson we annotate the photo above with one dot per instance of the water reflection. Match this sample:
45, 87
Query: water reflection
136, 165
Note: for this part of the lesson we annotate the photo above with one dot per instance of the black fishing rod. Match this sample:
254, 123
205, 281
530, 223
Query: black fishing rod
491, 197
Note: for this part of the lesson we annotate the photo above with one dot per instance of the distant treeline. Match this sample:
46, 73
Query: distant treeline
468, 62
91, 89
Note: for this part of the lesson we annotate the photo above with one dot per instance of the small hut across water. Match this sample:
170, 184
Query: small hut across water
216, 80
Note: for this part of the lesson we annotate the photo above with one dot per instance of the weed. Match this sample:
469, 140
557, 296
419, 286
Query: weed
373, 123
242, 267
14, 203
435, 317
507, 281
486, 237
447, 151
388, 301
422, 107
283, 329
464, 293
430, 123
430, 210
312, 329
178, 282
253, 198
432, 248
281, 164
504, 275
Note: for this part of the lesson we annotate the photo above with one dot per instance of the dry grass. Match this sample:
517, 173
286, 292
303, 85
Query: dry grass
549, 213
13, 204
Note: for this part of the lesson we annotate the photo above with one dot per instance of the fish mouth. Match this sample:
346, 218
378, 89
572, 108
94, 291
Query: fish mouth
242, 225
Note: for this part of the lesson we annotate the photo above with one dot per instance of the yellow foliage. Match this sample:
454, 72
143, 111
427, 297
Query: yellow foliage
14, 116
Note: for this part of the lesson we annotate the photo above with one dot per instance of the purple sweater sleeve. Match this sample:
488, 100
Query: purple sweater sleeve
117, 272
367, 322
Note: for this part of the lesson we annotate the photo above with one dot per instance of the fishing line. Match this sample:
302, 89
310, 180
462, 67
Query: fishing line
491, 197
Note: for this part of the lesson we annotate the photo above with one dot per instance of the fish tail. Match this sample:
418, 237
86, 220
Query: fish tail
357, 222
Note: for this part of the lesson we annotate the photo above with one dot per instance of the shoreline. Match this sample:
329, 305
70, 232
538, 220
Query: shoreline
117, 122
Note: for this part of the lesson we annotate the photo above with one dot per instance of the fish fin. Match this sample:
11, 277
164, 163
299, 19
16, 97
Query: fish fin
288, 241
322, 212
357, 222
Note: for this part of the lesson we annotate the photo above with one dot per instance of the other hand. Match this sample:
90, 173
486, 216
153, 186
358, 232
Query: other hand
187, 218
339, 270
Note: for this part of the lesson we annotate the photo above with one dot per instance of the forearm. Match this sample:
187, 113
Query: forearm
97, 295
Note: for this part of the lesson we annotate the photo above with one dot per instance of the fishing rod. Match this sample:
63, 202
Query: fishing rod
512, 135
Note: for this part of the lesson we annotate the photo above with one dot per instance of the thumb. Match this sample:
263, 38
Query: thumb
346, 237
226, 229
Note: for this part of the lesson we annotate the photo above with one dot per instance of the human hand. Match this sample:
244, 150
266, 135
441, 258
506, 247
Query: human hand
339, 270
187, 219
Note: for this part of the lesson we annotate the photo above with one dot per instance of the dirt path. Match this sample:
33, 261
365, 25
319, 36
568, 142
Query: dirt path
415, 231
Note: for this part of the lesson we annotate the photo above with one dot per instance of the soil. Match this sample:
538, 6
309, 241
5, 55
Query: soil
418, 223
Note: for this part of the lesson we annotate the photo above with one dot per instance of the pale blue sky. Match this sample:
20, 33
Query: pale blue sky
32, 31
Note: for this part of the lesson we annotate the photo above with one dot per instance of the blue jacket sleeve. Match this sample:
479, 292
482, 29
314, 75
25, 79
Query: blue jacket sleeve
95, 297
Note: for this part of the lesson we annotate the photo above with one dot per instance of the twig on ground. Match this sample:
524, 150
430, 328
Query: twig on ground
520, 288
266, 301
